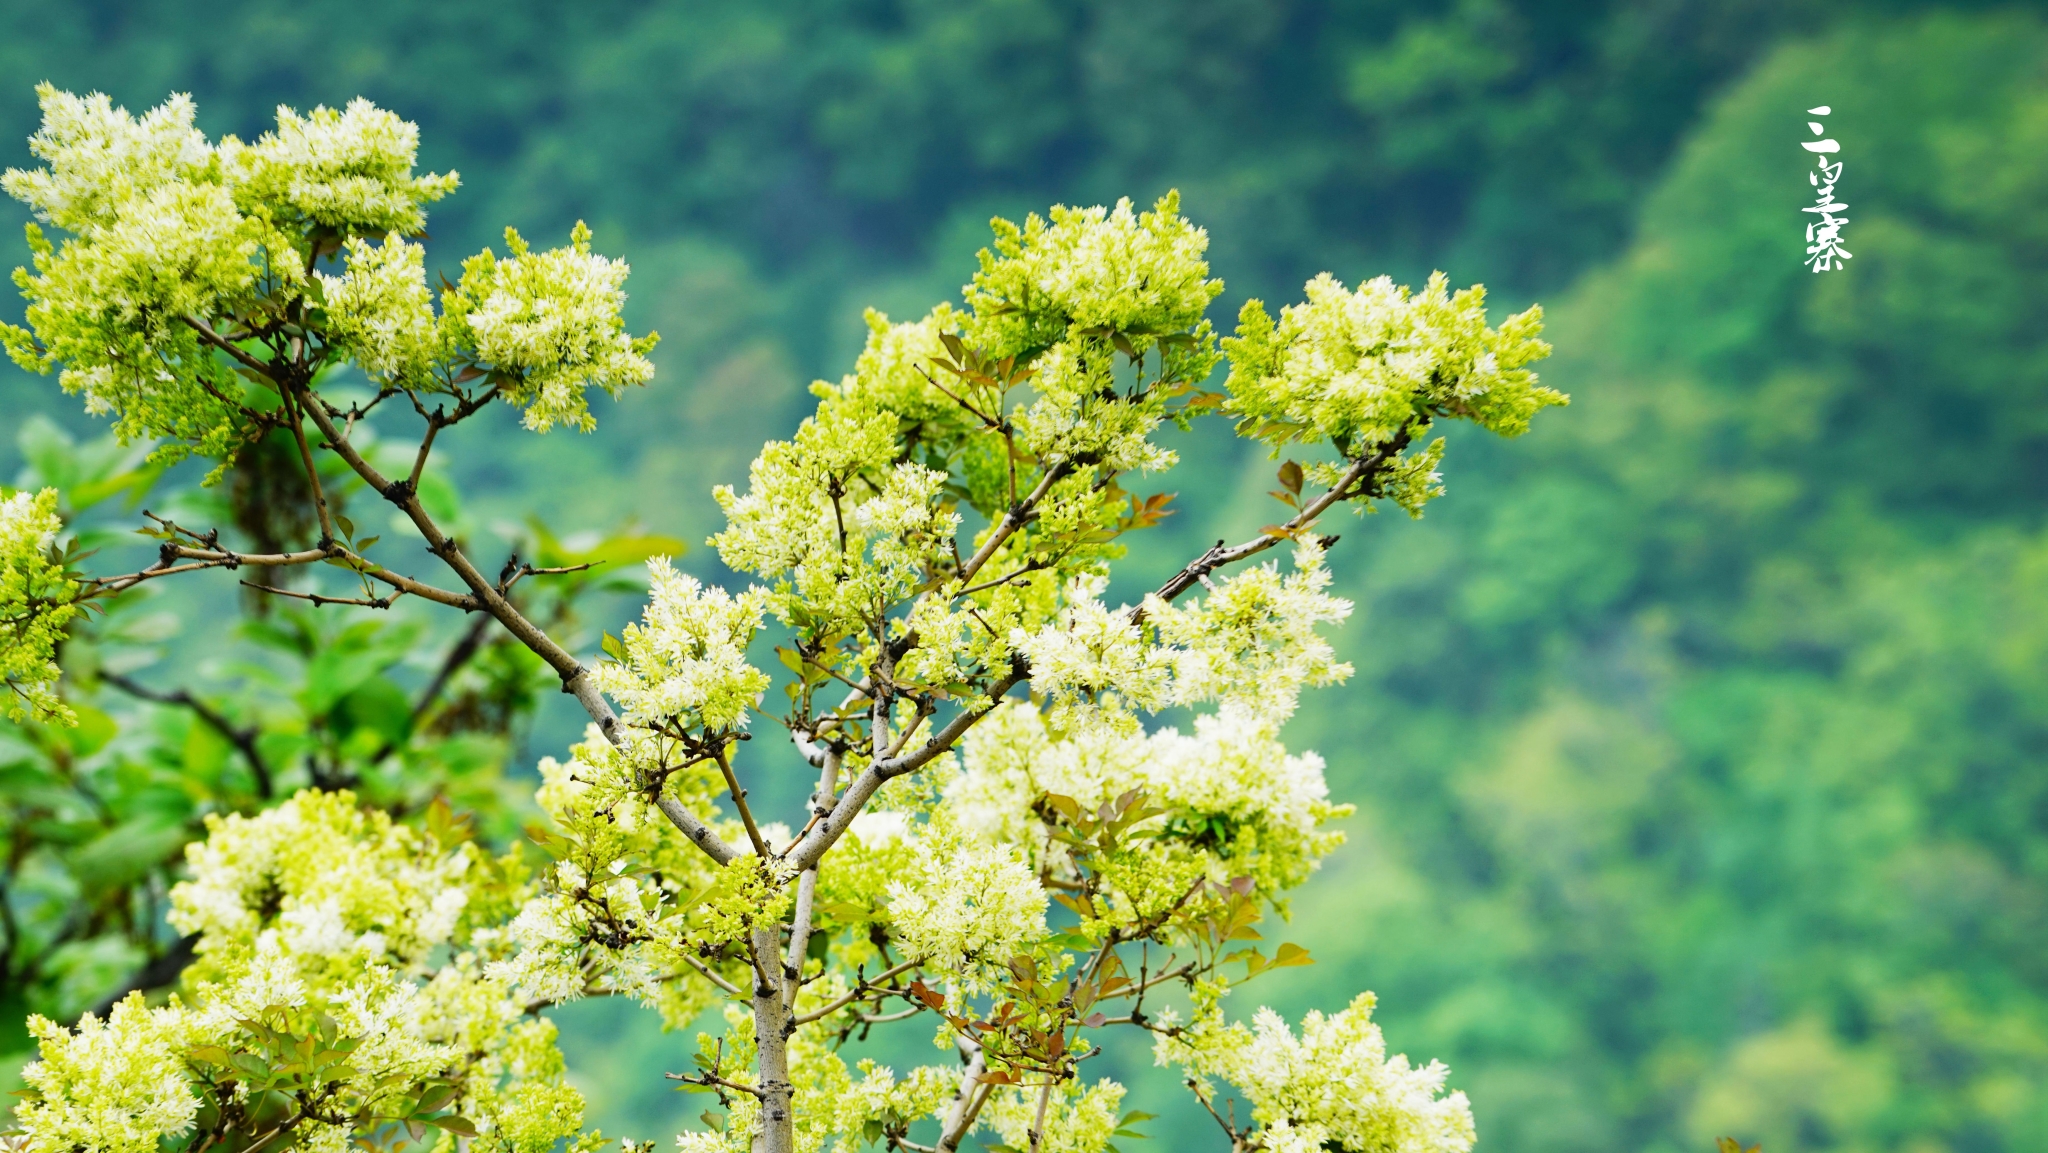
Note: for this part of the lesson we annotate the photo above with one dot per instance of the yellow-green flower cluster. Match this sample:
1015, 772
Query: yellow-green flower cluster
36, 601
1141, 274
895, 372
318, 912
552, 324
110, 1087
1074, 291
177, 245
1332, 1087
380, 312
847, 528
627, 899
685, 666
1358, 367
1368, 369
328, 880
168, 231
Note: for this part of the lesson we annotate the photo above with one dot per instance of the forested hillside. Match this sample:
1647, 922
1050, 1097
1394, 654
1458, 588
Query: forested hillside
1698, 738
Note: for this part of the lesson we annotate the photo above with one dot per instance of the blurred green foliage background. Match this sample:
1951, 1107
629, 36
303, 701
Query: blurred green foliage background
1700, 738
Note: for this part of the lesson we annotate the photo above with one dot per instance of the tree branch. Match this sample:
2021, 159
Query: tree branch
1359, 476
575, 678
700, 834
1016, 517
807, 887
293, 400
828, 831
317, 599
863, 989
739, 800
711, 975
967, 1102
207, 334
708, 1080
244, 739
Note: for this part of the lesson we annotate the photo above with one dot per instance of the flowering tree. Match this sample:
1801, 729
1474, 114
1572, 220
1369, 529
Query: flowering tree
1024, 870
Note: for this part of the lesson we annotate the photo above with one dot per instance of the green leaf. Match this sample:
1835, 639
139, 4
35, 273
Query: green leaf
630, 549
434, 1099
453, 1123
1290, 954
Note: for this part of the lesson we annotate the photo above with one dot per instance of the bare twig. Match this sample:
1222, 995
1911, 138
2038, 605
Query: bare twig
1038, 1120
383, 602
1356, 480
864, 989
707, 1080
711, 975
575, 678
292, 404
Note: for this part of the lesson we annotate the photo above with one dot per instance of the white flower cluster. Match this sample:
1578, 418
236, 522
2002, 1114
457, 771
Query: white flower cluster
880, 1096
347, 170
1231, 773
1093, 662
1252, 645
100, 158
552, 324
36, 600
379, 309
326, 879
1332, 1087
965, 902
685, 665
1080, 1119
1141, 274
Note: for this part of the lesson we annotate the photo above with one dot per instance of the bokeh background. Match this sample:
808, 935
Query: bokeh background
1699, 738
